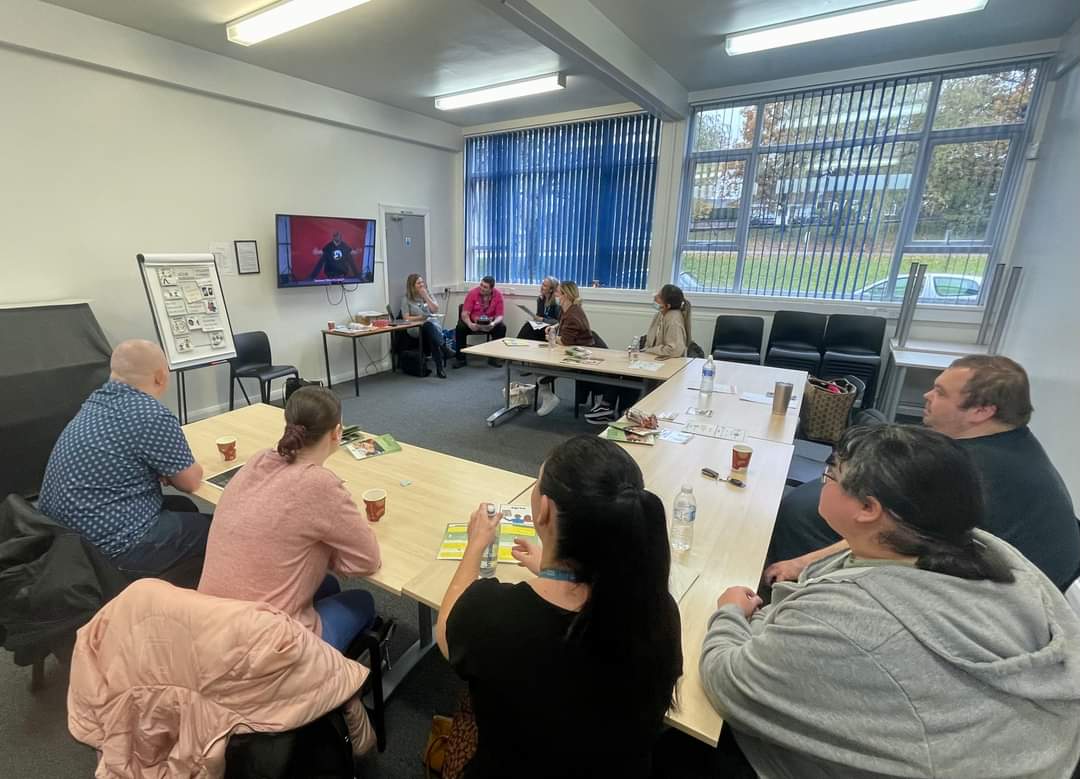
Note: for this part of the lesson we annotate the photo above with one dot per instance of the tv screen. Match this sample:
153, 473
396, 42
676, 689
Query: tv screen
320, 250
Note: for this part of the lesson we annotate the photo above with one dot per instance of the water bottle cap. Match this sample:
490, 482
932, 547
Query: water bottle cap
688, 488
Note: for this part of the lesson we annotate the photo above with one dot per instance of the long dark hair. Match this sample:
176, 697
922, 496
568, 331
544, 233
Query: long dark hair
612, 534
930, 487
311, 413
675, 301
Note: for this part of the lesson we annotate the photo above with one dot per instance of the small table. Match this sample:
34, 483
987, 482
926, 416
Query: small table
356, 335
614, 367
929, 355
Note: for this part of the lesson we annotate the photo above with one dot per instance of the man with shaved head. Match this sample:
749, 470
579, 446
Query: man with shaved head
105, 473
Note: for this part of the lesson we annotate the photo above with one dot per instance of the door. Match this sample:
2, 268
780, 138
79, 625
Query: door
405, 253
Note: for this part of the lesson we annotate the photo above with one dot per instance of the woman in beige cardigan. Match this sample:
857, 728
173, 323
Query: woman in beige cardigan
668, 335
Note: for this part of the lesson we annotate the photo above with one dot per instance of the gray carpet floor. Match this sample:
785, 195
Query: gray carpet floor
444, 415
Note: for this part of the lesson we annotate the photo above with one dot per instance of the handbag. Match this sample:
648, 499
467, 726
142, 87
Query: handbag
826, 409
520, 394
292, 384
452, 742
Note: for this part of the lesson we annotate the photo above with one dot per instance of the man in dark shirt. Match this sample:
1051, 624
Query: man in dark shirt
336, 258
105, 472
984, 403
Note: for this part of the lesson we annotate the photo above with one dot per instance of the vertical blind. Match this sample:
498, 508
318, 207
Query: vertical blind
832, 192
573, 201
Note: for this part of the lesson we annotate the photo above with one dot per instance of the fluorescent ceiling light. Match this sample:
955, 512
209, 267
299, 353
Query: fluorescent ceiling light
529, 86
871, 17
282, 17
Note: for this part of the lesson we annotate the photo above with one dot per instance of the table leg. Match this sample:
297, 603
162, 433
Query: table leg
326, 357
507, 409
355, 369
897, 390
413, 655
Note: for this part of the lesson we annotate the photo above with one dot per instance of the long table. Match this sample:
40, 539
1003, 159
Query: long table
733, 526
425, 490
614, 366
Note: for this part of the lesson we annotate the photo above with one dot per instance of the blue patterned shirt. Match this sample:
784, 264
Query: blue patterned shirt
102, 476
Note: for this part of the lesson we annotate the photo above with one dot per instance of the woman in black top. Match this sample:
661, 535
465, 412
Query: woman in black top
547, 310
571, 672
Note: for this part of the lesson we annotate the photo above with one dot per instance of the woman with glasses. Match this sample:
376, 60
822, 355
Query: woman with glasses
929, 648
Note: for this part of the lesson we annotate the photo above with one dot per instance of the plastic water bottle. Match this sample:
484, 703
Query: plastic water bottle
708, 376
490, 558
682, 519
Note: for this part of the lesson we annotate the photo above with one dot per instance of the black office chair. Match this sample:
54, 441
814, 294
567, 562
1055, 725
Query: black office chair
738, 339
853, 347
795, 341
253, 361
406, 351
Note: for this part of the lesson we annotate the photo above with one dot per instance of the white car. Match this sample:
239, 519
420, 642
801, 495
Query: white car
937, 288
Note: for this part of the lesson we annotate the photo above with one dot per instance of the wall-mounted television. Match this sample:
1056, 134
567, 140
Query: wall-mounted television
313, 251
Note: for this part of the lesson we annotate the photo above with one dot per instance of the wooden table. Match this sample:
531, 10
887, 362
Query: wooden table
614, 367
681, 392
425, 491
354, 336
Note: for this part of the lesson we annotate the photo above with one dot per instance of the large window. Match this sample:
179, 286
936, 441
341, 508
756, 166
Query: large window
574, 201
832, 193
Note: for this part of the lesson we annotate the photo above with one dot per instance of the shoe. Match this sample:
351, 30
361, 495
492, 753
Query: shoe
600, 413
440, 373
459, 363
549, 401
494, 363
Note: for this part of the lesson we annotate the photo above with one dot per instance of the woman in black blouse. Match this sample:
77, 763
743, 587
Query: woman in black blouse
547, 310
570, 672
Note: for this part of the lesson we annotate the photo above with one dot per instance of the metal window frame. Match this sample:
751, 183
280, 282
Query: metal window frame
927, 140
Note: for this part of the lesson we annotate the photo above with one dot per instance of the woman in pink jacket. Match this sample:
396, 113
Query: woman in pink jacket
285, 522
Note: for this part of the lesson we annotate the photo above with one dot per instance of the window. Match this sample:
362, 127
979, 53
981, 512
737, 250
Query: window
832, 193
574, 201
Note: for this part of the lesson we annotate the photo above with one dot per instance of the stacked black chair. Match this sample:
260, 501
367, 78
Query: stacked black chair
253, 361
853, 347
796, 340
738, 339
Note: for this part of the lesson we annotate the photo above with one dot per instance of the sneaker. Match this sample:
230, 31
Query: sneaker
549, 401
601, 418
600, 411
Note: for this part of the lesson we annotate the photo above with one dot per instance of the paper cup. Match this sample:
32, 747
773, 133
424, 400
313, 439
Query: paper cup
740, 457
330, 325
375, 504
227, 446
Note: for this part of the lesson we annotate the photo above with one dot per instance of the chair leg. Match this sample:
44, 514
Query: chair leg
37, 675
232, 392
246, 398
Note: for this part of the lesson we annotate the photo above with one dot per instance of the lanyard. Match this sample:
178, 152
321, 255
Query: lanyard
558, 574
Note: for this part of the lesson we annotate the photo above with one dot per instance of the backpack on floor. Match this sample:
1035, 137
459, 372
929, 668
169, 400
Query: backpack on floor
319, 750
412, 362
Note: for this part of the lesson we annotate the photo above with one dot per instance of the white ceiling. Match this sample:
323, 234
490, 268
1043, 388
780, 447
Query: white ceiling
685, 37
405, 52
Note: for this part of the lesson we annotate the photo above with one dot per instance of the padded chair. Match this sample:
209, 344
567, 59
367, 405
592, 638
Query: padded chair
795, 341
401, 342
738, 339
852, 347
253, 361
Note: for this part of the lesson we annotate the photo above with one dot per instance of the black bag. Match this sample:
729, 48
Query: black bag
412, 362
292, 384
319, 750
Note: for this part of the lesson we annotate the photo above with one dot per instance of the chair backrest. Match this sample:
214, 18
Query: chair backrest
390, 312
252, 348
798, 327
598, 342
737, 331
855, 331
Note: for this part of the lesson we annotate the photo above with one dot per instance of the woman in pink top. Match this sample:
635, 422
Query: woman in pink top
285, 521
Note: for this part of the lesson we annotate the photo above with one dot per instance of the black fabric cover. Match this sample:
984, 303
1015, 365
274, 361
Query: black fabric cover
52, 581
318, 750
51, 358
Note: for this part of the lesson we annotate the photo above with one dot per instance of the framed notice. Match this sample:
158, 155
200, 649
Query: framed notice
247, 257
188, 307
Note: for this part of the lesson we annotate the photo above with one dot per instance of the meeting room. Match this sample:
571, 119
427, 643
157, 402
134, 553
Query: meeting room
520, 388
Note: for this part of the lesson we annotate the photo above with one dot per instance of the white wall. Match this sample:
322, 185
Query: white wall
97, 166
1043, 329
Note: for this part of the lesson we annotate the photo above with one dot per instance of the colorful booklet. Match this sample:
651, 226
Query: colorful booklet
372, 446
628, 437
515, 522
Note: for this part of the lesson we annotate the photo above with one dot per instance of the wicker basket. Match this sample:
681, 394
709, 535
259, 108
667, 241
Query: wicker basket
824, 415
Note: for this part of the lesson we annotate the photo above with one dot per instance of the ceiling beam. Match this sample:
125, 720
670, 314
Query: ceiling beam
576, 29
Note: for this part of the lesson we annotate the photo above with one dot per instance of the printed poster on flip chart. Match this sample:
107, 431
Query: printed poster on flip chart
188, 308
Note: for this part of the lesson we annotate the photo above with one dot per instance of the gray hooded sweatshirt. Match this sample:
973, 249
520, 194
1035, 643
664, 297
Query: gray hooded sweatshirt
892, 671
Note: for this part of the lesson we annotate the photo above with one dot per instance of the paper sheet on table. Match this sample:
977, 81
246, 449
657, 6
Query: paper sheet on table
538, 325
766, 398
641, 365
680, 580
